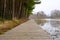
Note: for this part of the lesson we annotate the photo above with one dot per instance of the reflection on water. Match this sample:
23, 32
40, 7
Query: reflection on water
52, 27
55, 23
40, 22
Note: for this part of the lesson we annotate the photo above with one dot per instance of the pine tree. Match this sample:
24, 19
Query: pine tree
10, 9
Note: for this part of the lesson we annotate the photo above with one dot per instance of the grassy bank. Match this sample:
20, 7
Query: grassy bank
9, 24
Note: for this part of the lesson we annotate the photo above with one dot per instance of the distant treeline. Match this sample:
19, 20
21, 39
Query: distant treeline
10, 9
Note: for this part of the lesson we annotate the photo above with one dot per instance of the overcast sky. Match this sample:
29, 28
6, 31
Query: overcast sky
47, 6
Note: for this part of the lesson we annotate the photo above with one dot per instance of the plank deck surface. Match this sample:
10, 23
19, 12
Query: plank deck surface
26, 31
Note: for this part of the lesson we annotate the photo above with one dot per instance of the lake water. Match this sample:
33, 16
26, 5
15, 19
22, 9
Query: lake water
52, 26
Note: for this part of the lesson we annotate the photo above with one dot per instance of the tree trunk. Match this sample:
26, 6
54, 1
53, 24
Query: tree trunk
1, 7
13, 9
20, 10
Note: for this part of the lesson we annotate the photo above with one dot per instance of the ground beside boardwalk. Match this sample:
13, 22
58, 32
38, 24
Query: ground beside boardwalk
26, 31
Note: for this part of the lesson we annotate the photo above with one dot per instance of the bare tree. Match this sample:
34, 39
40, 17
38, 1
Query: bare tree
39, 15
55, 14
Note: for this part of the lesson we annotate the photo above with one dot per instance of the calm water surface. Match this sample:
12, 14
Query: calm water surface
52, 26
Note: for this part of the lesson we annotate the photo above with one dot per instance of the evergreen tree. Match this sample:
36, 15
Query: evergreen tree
10, 9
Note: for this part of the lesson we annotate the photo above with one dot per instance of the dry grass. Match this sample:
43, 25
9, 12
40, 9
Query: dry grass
7, 25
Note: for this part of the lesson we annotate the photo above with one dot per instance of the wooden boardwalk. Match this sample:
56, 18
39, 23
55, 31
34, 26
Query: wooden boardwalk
26, 31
